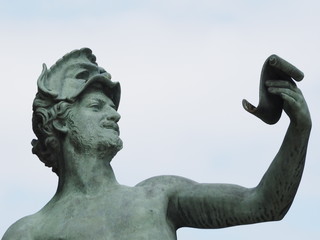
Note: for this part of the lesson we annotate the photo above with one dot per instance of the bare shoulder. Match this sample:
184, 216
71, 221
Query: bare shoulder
168, 183
20, 230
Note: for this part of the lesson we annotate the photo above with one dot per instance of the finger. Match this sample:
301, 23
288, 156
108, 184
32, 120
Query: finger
281, 83
288, 92
289, 99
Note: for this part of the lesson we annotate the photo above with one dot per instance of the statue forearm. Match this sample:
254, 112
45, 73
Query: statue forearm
280, 183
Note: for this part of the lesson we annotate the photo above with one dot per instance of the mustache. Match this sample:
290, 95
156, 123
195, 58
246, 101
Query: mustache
110, 125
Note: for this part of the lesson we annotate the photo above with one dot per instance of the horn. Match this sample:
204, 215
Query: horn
42, 82
270, 106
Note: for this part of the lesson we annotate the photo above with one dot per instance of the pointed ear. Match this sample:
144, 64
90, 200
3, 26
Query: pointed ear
60, 126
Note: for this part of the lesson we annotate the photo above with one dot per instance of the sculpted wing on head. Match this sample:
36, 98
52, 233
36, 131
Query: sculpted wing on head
58, 89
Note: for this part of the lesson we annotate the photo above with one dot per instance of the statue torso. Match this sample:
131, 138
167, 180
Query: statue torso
122, 213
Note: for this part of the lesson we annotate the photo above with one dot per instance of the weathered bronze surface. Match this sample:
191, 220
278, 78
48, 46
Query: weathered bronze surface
75, 120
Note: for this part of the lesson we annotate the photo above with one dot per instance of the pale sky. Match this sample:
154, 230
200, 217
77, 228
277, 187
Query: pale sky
184, 68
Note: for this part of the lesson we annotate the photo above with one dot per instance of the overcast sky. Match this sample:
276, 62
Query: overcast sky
184, 68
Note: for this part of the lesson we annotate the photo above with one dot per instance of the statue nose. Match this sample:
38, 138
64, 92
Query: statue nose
113, 115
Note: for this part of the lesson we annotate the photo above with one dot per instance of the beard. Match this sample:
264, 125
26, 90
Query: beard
105, 144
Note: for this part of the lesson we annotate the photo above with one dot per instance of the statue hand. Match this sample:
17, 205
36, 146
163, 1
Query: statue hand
294, 105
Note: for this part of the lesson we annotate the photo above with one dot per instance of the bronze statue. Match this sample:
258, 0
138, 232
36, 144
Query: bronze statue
75, 120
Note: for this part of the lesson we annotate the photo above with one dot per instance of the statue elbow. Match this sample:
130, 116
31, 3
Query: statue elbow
272, 211
284, 211
280, 213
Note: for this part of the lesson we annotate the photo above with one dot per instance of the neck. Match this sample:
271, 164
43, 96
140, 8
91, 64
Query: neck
86, 172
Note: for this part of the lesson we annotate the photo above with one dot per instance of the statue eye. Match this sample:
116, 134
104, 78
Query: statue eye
83, 75
95, 106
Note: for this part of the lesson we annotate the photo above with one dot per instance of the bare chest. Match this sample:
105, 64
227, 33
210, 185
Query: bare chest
122, 216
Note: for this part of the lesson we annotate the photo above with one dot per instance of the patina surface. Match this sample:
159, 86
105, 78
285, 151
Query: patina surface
75, 120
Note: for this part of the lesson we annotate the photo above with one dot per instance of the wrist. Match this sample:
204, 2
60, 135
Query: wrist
302, 126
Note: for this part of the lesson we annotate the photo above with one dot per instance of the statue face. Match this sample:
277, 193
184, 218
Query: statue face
93, 124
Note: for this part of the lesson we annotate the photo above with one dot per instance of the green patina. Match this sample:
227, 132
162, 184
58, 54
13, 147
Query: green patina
75, 120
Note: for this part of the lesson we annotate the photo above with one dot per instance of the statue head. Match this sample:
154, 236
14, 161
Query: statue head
59, 89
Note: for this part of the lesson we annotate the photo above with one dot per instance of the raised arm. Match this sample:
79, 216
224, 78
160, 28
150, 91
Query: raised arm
221, 205
281, 181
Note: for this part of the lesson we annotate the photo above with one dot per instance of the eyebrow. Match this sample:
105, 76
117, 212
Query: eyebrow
96, 99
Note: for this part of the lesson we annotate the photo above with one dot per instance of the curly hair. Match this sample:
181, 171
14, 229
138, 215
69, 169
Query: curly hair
47, 108
45, 112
